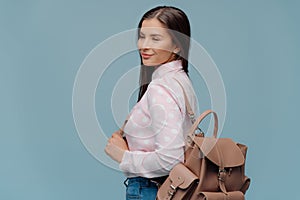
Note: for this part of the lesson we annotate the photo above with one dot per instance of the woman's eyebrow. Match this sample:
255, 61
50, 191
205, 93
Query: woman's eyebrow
155, 35
152, 34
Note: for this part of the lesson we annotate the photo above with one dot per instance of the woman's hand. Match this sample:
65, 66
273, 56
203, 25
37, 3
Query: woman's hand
116, 146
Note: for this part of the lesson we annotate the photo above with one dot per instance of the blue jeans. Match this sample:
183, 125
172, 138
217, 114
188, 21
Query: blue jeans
140, 188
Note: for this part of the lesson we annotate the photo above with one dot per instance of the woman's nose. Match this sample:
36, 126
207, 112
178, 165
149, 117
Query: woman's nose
145, 44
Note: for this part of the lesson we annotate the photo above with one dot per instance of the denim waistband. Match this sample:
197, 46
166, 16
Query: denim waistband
143, 182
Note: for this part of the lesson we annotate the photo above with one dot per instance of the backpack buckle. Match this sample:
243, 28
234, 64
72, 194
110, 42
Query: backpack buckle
222, 174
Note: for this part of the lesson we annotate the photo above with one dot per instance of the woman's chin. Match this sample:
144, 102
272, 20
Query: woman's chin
149, 63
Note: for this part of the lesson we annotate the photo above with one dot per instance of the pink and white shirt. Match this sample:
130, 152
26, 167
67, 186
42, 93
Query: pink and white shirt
158, 124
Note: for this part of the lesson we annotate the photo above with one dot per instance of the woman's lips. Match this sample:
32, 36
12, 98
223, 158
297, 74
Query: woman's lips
146, 56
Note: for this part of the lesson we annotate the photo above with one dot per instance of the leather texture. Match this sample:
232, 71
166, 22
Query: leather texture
214, 168
231, 153
182, 178
236, 195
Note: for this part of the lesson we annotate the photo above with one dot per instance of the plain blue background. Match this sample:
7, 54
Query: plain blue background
255, 45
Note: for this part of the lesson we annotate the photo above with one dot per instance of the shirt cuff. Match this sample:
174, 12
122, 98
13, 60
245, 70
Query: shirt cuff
125, 163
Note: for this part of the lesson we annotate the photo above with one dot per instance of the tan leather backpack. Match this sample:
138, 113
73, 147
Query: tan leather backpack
214, 169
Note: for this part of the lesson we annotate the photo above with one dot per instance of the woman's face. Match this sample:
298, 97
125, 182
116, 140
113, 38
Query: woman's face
155, 44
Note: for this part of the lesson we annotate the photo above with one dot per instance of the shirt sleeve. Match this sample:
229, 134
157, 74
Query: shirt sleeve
167, 116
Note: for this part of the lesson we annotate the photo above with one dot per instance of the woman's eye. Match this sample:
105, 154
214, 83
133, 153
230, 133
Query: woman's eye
156, 39
141, 37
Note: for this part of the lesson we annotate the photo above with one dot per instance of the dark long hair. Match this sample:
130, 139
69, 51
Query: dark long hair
174, 19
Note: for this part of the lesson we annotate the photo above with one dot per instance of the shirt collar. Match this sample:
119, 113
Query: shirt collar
172, 66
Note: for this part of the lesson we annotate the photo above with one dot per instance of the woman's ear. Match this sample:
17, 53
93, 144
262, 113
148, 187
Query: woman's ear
176, 50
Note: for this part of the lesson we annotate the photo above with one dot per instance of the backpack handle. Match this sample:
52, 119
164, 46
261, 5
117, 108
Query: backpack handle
200, 118
198, 121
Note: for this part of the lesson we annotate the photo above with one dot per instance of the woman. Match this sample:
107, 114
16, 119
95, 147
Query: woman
156, 129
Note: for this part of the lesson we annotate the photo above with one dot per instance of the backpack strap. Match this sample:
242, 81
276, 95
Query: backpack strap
188, 109
222, 172
187, 103
123, 126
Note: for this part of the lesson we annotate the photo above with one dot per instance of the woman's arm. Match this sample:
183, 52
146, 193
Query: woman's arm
166, 123
116, 146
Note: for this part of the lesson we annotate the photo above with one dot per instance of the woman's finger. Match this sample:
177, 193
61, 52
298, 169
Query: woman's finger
116, 135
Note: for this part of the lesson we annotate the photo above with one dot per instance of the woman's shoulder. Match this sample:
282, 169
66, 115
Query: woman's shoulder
167, 83
167, 87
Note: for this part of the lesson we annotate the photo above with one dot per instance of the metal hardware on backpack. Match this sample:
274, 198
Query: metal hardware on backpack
214, 168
